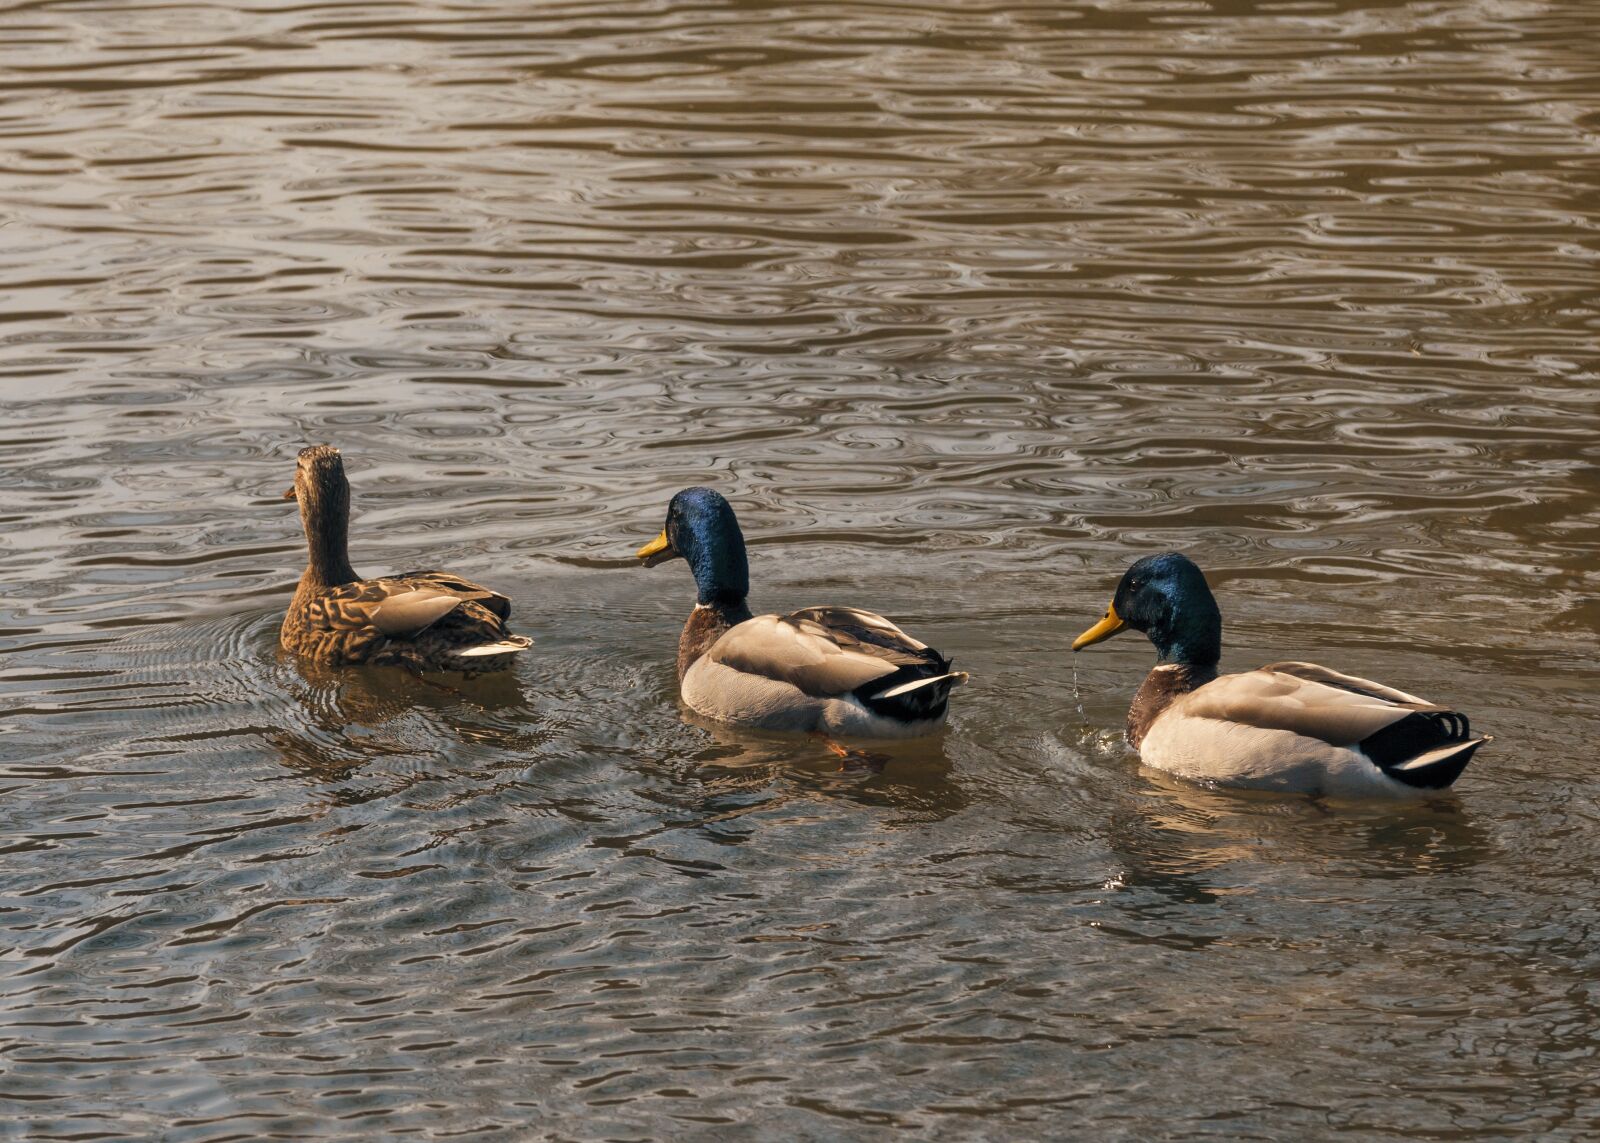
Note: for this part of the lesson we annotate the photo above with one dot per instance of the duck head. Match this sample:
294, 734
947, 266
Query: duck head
319, 478
1167, 598
702, 529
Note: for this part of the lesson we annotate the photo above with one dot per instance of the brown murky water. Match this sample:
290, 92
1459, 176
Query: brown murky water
965, 306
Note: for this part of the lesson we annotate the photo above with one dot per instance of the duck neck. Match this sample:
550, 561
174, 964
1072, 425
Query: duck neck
707, 623
721, 570
1187, 631
1161, 687
326, 516
1195, 651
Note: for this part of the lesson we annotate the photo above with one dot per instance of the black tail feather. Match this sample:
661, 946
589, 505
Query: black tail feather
913, 706
1398, 747
1415, 734
1441, 771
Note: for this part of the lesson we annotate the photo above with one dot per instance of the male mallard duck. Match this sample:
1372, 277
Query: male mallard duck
1286, 726
834, 670
423, 621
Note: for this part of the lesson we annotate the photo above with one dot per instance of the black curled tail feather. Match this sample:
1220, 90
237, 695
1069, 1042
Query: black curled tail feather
1417, 749
914, 705
1416, 733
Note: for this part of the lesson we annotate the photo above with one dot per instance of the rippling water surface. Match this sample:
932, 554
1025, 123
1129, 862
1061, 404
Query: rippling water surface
965, 306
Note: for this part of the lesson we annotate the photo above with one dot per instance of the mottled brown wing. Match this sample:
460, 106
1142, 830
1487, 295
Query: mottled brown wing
396, 607
346, 608
430, 621
465, 588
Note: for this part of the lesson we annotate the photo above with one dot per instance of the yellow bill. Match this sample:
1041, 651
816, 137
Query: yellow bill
291, 495
658, 550
1101, 631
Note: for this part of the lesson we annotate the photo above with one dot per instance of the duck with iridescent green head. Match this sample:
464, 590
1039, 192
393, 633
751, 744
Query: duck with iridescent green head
1286, 726
831, 670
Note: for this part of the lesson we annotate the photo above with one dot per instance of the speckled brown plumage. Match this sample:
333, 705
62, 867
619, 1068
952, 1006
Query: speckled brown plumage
422, 620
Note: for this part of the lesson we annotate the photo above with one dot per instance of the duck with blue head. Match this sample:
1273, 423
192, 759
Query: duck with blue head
838, 671
1287, 726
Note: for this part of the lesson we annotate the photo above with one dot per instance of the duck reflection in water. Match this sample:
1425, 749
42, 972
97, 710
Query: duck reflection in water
351, 718
1194, 845
915, 777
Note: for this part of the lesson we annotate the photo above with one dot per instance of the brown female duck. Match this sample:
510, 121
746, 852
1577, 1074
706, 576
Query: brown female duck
422, 621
